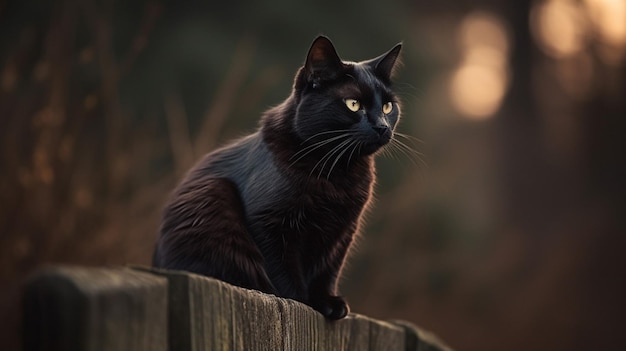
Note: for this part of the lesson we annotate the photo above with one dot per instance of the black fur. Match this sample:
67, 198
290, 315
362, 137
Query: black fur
277, 210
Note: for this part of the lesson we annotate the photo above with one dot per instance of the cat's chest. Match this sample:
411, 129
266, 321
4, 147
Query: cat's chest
279, 200
310, 208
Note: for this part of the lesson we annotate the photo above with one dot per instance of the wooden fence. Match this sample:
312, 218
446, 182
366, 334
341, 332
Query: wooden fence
143, 309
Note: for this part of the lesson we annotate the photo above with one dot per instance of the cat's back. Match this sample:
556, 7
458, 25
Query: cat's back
247, 163
236, 160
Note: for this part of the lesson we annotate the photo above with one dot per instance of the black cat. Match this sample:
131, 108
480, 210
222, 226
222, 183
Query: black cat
278, 210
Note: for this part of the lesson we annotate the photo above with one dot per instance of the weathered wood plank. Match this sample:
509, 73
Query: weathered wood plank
207, 314
385, 336
71, 308
418, 339
84, 309
227, 318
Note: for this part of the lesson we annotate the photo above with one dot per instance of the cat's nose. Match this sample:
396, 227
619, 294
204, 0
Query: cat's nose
382, 127
384, 132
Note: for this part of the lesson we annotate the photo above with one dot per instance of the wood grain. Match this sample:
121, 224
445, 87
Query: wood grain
74, 308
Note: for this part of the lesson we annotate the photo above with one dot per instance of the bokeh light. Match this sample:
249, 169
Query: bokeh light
609, 19
560, 27
482, 29
564, 28
480, 81
477, 90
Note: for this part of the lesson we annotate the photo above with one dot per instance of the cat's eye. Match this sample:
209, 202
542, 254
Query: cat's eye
387, 108
353, 105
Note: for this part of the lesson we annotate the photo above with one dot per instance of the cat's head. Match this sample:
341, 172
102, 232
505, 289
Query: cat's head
346, 103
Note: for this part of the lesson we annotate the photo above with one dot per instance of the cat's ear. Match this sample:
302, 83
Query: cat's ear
322, 61
385, 64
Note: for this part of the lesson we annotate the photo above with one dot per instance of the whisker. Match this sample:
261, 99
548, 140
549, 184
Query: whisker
322, 133
321, 142
330, 155
409, 152
307, 150
358, 144
409, 137
326, 157
352, 142
396, 147
389, 151
408, 148
323, 157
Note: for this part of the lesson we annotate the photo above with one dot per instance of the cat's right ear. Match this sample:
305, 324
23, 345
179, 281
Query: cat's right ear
385, 64
322, 62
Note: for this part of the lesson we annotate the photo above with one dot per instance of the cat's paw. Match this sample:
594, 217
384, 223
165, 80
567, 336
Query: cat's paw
332, 307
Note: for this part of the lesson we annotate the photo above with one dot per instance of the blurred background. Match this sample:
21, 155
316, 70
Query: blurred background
510, 235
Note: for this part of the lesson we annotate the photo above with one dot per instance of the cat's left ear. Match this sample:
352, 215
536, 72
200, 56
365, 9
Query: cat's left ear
322, 62
385, 64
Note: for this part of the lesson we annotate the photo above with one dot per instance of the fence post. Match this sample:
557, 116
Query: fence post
147, 309
84, 309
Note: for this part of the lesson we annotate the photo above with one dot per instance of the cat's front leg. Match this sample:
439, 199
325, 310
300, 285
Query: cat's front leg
323, 288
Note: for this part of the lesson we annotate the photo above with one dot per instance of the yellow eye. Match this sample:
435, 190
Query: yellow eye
353, 105
387, 108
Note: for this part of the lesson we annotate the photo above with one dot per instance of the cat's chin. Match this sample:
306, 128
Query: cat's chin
372, 148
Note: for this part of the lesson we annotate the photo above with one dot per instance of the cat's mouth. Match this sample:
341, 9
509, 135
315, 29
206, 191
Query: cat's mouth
385, 136
382, 135
377, 141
